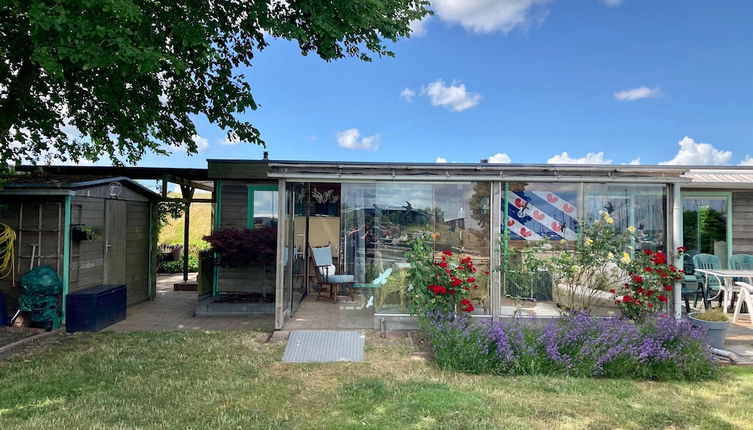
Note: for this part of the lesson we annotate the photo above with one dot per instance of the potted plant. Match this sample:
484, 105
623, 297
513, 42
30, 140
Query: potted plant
82, 232
716, 322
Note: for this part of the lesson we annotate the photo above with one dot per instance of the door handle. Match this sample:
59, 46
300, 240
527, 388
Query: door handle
108, 245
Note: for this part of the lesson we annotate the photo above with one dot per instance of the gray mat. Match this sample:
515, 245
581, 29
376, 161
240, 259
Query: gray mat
324, 346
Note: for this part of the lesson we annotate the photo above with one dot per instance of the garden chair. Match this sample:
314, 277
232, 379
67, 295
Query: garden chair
709, 283
746, 295
326, 273
741, 262
691, 286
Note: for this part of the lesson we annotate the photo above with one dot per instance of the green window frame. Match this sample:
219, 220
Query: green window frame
250, 201
715, 194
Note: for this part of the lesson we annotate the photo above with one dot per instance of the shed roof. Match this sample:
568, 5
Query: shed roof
739, 178
42, 183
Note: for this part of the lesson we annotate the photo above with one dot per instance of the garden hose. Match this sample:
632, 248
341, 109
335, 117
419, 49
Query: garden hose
7, 252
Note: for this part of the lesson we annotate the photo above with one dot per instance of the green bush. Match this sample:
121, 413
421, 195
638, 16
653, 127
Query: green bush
177, 266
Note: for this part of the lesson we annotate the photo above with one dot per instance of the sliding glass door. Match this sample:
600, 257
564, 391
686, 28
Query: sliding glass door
706, 224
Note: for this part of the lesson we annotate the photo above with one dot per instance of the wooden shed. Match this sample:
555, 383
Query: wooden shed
92, 230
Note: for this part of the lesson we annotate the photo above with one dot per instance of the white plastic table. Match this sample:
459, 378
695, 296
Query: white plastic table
726, 278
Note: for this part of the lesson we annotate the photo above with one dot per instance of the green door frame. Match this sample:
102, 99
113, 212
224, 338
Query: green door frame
716, 194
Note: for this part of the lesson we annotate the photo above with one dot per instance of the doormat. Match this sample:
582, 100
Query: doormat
324, 346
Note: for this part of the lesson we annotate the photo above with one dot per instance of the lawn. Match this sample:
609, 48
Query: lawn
230, 380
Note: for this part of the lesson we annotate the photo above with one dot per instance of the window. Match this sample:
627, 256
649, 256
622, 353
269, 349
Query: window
262, 206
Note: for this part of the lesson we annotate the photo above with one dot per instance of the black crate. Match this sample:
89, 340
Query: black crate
94, 308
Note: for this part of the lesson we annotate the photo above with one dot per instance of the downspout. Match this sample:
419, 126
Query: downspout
676, 243
216, 227
66, 252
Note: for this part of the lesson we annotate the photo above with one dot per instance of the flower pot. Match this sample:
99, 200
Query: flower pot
716, 331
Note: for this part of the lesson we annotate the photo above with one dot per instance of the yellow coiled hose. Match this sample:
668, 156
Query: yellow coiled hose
7, 252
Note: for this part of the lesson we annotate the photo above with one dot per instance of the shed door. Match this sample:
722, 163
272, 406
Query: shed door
115, 241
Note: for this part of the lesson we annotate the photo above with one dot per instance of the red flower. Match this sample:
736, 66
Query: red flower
485, 273
475, 286
467, 306
647, 251
649, 292
681, 249
668, 288
438, 289
626, 298
471, 279
662, 298
443, 264
638, 279
659, 258
648, 269
474, 270
611, 290
447, 252
650, 305
456, 282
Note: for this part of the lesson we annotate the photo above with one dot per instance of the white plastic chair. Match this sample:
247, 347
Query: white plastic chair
746, 295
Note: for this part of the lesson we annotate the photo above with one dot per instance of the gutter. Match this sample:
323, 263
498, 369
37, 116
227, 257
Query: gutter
345, 177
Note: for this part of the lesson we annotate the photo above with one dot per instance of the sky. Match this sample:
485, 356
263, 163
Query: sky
522, 81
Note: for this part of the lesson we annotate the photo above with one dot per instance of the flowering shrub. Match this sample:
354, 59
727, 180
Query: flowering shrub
238, 247
578, 345
652, 279
442, 284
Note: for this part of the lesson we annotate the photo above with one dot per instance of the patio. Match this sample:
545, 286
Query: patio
174, 310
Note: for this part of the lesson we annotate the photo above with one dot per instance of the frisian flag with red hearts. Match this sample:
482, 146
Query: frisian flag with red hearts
538, 215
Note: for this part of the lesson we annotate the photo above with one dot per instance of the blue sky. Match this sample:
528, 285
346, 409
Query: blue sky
517, 80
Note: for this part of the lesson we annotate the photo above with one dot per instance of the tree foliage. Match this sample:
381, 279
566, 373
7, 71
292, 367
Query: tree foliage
129, 74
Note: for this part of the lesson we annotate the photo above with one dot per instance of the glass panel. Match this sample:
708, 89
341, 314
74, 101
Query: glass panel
265, 208
378, 220
537, 212
296, 244
705, 226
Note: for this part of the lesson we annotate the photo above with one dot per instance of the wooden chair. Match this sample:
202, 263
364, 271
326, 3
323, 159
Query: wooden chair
326, 273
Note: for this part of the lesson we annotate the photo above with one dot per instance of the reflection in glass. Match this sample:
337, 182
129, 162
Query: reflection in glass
378, 220
265, 208
705, 226
534, 213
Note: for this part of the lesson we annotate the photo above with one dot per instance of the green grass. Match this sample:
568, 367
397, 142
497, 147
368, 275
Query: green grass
201, 223
229, 380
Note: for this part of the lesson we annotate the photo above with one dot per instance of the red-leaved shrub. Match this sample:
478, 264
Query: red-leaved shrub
243, 246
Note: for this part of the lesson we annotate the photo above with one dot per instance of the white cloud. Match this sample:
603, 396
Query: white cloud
407, 94
747, 161
441, 160
454, 97
487, 16
590, 158
418, 28
635, 162
351, 139
637, 93
612, 3
228, 142
500, 158
202, 144
698, 153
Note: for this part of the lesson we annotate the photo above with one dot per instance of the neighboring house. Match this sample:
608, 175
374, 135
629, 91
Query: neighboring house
91, 230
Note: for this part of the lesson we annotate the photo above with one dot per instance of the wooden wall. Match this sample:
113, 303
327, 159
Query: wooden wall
742, 222
234, 198
31, 230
